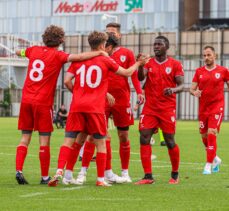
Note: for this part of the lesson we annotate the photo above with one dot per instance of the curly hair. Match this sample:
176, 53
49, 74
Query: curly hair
96, 38
53, 36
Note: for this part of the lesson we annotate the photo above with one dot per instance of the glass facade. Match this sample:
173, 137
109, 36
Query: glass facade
28, 18
214, 9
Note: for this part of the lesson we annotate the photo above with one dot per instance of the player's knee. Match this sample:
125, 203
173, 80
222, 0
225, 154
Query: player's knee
170, 144
212, 131
145, 139
123, 136
205, 135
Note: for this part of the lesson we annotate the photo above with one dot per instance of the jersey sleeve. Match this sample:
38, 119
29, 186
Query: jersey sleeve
112, 65
179, 69
28, 51
131, 58
226, 78
72, 68
195, 77
63, 56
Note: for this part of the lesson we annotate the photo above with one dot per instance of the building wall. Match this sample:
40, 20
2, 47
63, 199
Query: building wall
28, 18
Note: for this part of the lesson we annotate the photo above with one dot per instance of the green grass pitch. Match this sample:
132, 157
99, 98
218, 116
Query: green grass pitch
195, 191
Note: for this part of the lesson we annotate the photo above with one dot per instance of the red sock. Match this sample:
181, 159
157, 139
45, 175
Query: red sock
44, 156
101, 163
205, 142
174, 155
211, 149
88, 153
145, 153
109, 155
63, 156
20, 157
73, 156
124, 152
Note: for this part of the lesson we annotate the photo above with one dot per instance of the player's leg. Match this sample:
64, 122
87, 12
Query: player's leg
145, 154
26, 125
64, 154
68, 174
21, 154
110, 176
174, 154
100, 144
168, 126
44, 156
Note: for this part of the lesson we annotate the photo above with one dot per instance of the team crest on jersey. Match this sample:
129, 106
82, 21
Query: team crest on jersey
122, 58
216, 116
201, 76
217, 75
172, 118
168, 70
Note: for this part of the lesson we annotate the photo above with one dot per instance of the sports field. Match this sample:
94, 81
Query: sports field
195, 191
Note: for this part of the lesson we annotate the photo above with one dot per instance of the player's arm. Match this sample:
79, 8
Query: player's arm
179, 88
85, 55
142, 73
110, 99
128, 72
20, 52
68, 81
194, 90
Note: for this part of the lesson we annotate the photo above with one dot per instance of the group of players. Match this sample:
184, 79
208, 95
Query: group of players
99, 84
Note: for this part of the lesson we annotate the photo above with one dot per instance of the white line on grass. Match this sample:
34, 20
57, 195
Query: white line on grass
72, 188
95, 199
33, 194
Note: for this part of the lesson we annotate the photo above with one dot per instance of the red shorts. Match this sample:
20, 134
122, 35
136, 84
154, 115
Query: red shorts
35, 117
165, 121
90, 123
210, 121
122, 115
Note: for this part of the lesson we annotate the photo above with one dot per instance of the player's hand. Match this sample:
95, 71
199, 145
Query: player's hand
141, 99
103, 53
169, 91
197, 93
110, 99
143, 59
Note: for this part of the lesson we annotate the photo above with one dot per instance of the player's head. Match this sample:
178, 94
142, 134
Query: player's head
97, 40
53, 36
209, 55
160, 45
114, 28
111, 43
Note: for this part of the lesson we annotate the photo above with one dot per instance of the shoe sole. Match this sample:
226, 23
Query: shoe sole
53, 183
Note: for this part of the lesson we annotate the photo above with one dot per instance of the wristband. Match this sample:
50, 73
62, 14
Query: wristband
23, 53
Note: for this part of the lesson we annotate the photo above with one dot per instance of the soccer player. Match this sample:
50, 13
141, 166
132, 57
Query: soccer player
87, 111
121, 112
45, 63
164, 79
208, 86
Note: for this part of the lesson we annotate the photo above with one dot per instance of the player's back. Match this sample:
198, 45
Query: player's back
43, 70
91, 83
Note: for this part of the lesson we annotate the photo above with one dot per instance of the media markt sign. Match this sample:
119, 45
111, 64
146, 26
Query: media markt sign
79, 7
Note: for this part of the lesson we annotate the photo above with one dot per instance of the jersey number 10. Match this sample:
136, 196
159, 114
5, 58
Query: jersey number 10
82, 72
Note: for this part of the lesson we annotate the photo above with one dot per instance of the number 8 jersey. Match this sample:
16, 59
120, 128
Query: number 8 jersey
91, 84
43, 70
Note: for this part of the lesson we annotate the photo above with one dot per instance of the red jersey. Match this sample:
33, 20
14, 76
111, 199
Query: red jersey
161, 76
43, 70
91, 83
211, 83
118, 85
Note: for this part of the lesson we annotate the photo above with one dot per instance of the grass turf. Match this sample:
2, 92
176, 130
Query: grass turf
195, 191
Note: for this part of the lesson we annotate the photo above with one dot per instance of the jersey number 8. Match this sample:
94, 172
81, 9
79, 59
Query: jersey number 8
36, 73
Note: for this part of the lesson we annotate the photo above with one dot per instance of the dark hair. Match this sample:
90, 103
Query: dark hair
165, 39
112, 40
53, 36
96, 38
115, 25
210, 47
